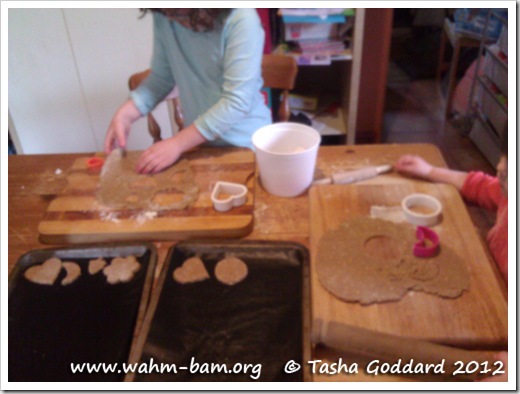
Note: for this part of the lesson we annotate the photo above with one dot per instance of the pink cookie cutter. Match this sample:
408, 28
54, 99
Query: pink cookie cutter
421, 249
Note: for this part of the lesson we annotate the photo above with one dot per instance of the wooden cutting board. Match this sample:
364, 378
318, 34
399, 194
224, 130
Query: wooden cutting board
477, 319
74, 216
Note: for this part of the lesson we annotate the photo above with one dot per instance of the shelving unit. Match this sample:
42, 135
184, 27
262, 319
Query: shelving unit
488, 96
336, 85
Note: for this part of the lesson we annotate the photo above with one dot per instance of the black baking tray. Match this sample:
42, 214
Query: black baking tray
258, 321
87, 321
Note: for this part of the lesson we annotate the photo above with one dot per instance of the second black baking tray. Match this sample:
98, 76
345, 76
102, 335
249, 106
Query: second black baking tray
210, 331
87, 321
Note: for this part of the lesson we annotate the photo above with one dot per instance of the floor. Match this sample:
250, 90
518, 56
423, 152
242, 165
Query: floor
414, 113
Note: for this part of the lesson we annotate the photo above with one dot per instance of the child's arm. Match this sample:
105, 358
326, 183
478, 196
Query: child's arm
418, 167
166, 152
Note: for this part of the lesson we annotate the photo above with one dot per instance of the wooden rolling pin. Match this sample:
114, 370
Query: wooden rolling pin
390, 349
353, 176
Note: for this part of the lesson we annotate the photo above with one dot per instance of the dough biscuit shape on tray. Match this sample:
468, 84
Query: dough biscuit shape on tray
121, 269
231, 270
73, 272
191, 271
96, 265
46, 273
347, 271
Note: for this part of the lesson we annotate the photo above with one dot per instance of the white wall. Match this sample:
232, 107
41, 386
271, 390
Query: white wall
68, 73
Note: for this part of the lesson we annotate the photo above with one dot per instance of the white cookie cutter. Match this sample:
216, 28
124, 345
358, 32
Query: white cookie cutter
237, 192
424, 200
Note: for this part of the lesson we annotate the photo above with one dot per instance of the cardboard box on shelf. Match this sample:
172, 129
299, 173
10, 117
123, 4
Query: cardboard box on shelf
301, 102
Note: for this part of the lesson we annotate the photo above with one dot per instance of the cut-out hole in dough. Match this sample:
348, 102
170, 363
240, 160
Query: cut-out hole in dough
167, 199
143, 183
178, 177
132, 198
383, 247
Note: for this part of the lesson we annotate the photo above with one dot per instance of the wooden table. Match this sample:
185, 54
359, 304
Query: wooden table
276, 218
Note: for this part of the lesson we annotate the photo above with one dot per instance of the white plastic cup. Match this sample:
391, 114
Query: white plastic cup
286, 156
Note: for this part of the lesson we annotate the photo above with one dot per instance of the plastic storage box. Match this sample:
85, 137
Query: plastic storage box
472, 21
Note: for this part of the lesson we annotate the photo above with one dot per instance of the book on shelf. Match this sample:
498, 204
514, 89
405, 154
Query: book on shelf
329, 46
313, 59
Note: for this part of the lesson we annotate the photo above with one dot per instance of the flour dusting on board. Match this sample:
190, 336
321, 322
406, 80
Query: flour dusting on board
106, 214
143, 217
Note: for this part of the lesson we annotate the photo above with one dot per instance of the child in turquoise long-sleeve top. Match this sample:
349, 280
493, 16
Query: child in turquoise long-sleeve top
214, 57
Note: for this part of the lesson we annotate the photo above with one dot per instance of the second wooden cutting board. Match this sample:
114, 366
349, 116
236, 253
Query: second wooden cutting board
477, 319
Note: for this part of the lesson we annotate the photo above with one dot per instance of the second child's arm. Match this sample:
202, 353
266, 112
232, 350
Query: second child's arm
418, 167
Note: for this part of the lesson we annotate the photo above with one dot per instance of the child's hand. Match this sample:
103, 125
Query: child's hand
160, 155
120, 125
413, 165
502, 356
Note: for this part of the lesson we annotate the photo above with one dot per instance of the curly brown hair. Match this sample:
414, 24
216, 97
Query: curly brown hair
198, 19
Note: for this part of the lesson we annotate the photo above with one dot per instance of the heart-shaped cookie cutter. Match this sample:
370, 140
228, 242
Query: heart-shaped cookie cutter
237, 196
421, 248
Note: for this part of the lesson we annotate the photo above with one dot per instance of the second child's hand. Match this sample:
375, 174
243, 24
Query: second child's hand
159, 156
164, 153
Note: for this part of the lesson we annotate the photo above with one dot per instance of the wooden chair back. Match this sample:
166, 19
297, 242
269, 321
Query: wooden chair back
278, 72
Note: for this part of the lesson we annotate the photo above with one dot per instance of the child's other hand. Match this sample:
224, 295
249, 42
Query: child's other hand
502, 356
117, 134
413, 165
160, 155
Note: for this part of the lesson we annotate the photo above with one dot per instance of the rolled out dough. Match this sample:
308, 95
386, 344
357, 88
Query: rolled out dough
231, 270
121, 187
346, 270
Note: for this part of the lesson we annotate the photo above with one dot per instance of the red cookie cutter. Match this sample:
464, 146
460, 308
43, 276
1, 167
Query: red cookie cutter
421, 248
94, 164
